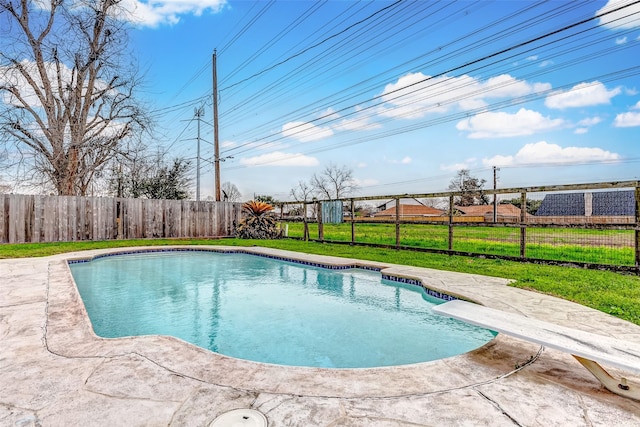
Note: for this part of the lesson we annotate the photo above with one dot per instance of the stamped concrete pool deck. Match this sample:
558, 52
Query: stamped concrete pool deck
54, 371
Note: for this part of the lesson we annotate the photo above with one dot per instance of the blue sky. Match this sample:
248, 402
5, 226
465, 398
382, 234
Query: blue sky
404, 93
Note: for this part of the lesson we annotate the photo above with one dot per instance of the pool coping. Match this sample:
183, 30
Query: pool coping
69, 334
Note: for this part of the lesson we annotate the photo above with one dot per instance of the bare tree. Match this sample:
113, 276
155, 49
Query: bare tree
230, 192
302, 192
4, 188
471, 189
364, 209
334, 182
66, 88
435, 202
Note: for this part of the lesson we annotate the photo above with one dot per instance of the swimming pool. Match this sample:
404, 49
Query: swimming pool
266, 310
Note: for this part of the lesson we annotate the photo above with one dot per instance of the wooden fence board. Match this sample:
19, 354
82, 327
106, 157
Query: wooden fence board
4, 218
16, 218
49, 219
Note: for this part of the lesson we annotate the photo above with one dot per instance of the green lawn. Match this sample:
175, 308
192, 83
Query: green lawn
611, 247
614, 293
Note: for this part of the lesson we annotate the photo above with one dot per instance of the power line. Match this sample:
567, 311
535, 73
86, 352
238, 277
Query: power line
299, 20
421, 86
248, 25
302, 52
452, 117
384, 97
422, 27
352, 96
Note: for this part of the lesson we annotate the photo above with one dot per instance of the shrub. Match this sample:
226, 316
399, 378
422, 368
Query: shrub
258, 222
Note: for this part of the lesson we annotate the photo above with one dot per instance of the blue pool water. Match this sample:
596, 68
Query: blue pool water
268, 310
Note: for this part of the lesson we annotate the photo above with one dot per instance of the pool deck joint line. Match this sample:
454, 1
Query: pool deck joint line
55, 371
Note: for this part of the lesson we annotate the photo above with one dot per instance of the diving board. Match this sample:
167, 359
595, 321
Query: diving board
588, 348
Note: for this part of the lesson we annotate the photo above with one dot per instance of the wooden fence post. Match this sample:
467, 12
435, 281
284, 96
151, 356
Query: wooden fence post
451, 222
523, 225
637, 232
305, 232
353, 223
320, 225
397, 223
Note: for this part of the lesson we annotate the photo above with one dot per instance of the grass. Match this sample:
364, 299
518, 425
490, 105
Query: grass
614, 293
610, 247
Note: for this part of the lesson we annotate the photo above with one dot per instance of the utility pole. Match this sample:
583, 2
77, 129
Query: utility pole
216, 145
495, 195
199, 112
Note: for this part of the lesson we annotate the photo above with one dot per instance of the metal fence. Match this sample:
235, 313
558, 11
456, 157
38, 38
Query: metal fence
34, 218
594, 225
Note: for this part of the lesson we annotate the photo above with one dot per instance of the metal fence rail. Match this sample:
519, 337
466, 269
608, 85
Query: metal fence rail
594, 225
34, 218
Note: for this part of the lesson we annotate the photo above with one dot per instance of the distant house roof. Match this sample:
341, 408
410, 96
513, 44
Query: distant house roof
603, 203
563, 204
614, 203
481, 210
411, 210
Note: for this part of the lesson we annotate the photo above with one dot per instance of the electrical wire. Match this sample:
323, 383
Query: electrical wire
382, 98
351, 95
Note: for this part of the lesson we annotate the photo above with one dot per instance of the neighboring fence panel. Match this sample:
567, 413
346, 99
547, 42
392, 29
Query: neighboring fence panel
33, 218
332, 212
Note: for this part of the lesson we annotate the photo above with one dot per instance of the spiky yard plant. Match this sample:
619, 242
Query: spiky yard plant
258, 222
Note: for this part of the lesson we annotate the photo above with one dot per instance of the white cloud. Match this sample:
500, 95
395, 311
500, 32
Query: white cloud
581, 95
278, 158
152, 13
404, 161
305, 132
585, 124
590, 121
620, 19
329, 114
361, 165
416, 95
546, 63
467, 164
621, 40
357, 123
227, 144
628, 119
544, 153
367, 182
505, 86
503, 125
532, 58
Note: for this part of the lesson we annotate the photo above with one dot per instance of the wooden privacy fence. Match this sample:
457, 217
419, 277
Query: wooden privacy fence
34, 218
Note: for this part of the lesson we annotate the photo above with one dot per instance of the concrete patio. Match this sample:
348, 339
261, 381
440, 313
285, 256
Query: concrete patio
54, 371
